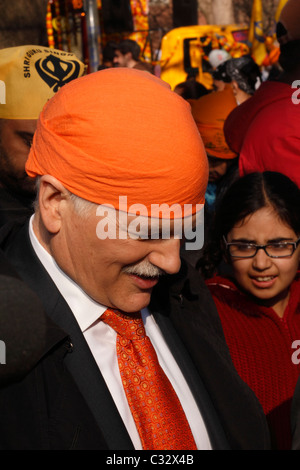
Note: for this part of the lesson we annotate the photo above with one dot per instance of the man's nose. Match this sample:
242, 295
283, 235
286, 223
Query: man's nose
166, 255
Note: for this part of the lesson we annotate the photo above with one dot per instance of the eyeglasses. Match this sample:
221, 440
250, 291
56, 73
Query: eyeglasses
273, 250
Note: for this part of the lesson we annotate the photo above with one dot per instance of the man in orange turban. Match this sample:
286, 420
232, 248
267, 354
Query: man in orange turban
121, 168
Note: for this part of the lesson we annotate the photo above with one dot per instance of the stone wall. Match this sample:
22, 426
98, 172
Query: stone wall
22, 22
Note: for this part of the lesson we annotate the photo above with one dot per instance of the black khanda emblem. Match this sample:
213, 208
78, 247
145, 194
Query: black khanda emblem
57, 72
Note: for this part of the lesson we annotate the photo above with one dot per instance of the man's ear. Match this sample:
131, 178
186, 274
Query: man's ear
52, 197
234, 87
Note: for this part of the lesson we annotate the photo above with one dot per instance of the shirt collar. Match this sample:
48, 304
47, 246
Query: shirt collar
84, 308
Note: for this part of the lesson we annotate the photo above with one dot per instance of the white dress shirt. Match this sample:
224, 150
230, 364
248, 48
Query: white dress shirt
101, 339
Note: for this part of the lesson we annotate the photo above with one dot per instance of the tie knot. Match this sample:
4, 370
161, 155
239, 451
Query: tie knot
129, 327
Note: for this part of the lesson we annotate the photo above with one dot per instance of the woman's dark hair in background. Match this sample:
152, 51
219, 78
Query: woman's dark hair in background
245, 196
191, 89
245, 72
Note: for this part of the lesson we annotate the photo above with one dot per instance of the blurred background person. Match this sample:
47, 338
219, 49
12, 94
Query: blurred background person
191, 89
128, 54
242, 74
221, 78
108, 54
245, 77
32, 75
270, 119
209, 113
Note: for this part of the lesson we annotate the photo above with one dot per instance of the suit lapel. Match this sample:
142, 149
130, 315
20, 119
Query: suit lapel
234, 408
90, 382
80, 363
211, 420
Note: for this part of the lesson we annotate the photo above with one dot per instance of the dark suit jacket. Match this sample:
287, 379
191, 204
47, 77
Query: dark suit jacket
11, 208
295, 418
64, 402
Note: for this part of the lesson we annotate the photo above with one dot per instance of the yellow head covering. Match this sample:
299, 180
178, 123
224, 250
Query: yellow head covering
30, 76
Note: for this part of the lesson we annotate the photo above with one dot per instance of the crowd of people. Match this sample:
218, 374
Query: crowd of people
120, 334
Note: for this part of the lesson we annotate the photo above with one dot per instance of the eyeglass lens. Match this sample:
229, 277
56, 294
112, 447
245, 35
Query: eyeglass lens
244, 250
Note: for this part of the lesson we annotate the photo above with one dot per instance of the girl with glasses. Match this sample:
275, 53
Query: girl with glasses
256, 233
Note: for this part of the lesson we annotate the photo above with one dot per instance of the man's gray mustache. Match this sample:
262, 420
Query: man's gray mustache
144, 269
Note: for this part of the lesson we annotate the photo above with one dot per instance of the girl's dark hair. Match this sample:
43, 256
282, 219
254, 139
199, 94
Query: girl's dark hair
245, 196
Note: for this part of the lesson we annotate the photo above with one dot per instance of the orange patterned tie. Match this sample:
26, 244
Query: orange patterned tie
157, 412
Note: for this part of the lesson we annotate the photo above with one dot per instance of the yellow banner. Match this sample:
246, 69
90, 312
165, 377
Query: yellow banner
256, 33
140, 12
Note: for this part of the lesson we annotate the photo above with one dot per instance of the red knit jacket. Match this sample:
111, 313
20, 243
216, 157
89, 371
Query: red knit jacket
268, 120
260, 345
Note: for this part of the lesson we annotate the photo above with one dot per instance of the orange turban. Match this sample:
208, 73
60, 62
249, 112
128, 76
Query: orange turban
121, 132
210, 112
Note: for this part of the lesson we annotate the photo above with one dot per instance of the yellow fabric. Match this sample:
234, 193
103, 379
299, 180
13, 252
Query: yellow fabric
121, 132
256, 33
30, 76
210, 112
188, 44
